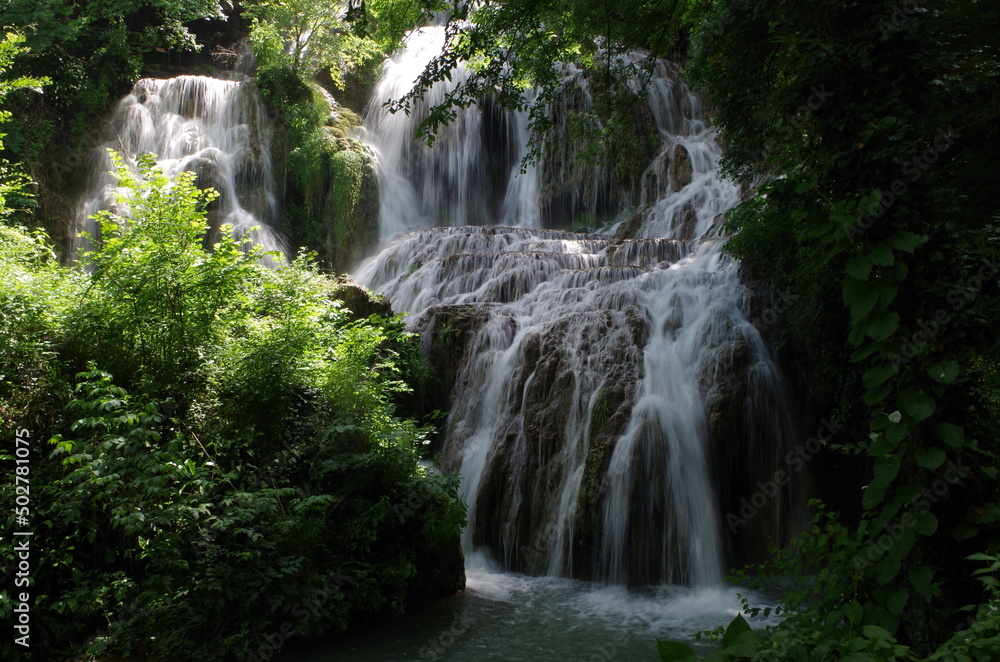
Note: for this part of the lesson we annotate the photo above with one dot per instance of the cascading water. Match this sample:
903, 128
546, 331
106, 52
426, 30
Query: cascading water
216, 128
612, 399
468, 176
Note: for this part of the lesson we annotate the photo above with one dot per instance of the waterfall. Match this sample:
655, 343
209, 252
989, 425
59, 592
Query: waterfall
470, 174
611, 398
215, 128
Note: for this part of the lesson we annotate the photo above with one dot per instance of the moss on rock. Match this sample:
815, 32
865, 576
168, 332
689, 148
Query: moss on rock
351, 210
330, 187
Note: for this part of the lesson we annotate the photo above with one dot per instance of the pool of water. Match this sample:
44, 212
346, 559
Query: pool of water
515, 618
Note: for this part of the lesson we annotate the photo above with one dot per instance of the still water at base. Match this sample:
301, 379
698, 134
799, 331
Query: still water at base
515, 618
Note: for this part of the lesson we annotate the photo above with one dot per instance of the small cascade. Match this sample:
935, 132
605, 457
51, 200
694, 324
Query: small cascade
469, 176
610, 399
215, 128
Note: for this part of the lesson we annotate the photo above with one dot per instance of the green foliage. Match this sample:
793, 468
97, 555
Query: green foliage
154, 288
873, 216
14, 183
306, 35
35, 294
826, 614
327, 203
244, 468
92, 52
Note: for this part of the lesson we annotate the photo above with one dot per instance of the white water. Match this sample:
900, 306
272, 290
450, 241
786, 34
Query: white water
216, 128
557, 314
470, 174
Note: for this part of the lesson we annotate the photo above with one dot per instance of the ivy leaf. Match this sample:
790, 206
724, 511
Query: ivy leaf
877, 633
886, 468
917, 405
877, 394
743, 646
944, 372
881, 446
737, 627
881, 255
897, 433
920, 579
877, 374
886, 292
860, 298
905, 241
859, 268
901, 271
929, 458
864, 352
885, 570
672, 651
979, 556
953, 435
964, 530
805, 185
897, 601
883, 326
901, 548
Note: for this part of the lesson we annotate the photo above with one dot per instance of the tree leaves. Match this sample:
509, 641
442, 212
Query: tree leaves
943, 372
672, 651
880, 327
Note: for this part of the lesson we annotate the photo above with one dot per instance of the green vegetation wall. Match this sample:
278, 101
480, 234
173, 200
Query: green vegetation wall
330, 190
329, 187
92, 52
210, 444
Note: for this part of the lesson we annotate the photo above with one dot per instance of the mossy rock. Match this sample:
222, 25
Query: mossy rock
342, 122
351, 209
360, 300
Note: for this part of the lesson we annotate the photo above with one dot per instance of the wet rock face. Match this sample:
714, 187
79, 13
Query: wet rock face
350, 210
580, 187
609, 401
757, 488
686, 221
541, 340
447, 332
681, 170
559, 420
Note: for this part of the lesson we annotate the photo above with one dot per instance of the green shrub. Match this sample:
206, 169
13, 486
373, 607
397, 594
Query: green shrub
241, 470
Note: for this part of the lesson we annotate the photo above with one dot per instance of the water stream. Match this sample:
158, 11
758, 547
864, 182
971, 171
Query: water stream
218, 129
610, 399
516, 618
593, 370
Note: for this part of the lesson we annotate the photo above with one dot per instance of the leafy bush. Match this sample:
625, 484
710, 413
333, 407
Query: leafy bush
243, 469
824, 613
